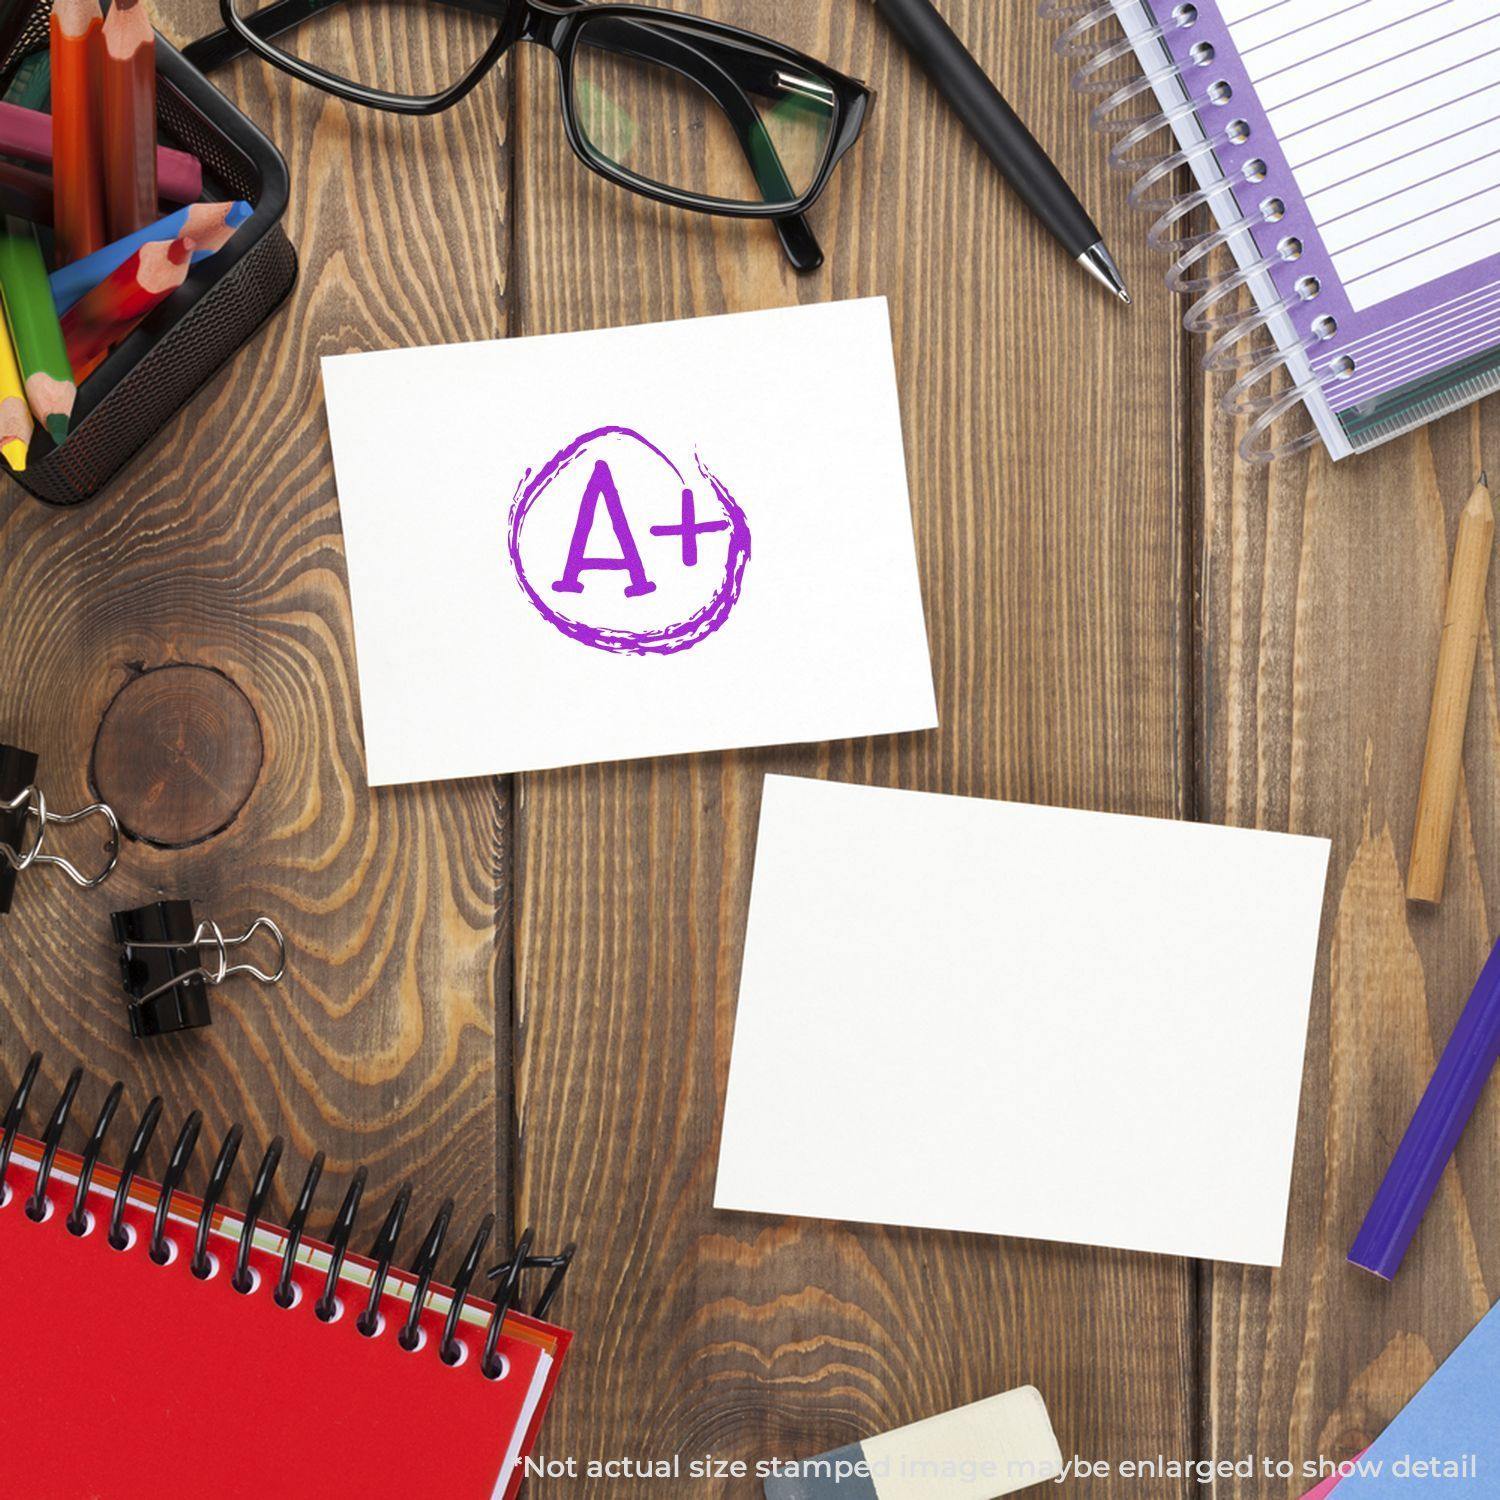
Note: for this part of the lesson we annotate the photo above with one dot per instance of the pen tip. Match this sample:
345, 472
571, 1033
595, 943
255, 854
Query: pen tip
1099, 263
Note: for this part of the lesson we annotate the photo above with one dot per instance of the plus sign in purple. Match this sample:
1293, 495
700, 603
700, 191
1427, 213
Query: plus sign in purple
621, 551
690, 528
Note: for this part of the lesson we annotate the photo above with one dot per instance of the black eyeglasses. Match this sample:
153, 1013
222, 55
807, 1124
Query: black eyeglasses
679, 109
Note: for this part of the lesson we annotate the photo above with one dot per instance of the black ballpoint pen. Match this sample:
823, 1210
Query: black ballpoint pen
998, 129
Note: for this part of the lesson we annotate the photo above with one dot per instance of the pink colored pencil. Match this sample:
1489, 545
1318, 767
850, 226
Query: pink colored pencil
26, 135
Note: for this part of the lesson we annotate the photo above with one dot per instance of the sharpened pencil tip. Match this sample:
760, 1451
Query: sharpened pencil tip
1484, 478
57, 427
15, 454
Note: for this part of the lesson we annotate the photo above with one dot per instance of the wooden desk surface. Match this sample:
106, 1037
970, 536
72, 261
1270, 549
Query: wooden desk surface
521, 992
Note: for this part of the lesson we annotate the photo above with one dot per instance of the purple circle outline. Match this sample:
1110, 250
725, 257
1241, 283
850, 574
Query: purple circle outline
669, 638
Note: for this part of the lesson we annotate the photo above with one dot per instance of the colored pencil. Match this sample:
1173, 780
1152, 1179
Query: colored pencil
16, 425
97, 322
76, 169
209, 225
25, 193
34, 329
129, 118
31, 86
1435, 1130
26, 134
1463, 619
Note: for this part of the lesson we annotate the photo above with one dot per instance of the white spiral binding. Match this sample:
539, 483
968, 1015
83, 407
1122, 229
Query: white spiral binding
1228, 328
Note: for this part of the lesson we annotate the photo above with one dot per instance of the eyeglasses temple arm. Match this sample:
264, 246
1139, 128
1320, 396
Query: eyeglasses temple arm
797, 238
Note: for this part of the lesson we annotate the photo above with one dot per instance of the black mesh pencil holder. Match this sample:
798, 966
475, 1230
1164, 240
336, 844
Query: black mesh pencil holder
165, 362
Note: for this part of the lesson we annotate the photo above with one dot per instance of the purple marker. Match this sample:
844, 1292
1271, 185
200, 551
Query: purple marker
1432, 1137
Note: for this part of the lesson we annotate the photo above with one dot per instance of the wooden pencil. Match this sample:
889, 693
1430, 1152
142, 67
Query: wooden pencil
28, 194
26, 134
16, 425
1463, 619
25, 193
98, 321
35, 331
128, 86
210, 226
78, 180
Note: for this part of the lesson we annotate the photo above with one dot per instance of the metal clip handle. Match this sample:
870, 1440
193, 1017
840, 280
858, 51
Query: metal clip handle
210, 934
33, 802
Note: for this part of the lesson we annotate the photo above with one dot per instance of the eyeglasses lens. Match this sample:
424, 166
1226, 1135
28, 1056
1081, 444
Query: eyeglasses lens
674, 107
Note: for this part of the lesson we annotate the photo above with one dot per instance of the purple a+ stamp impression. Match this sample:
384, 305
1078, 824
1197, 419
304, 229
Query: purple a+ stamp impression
620, 551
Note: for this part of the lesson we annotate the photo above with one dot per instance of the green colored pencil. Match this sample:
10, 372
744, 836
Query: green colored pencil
34, 328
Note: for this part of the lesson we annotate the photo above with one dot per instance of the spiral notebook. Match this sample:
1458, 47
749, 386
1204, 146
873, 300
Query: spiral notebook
1349, 152
133, 1378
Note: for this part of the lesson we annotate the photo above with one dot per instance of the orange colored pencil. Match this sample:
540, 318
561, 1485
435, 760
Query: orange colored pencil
99, 320
129, 118
77, 174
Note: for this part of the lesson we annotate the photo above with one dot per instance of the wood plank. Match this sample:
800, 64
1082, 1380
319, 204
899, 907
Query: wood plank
221, 550
1049, 496
1323, 589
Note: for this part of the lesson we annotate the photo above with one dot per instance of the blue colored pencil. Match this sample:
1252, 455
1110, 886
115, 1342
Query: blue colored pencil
209, 225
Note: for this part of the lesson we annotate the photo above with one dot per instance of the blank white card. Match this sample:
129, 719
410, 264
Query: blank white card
984, 1016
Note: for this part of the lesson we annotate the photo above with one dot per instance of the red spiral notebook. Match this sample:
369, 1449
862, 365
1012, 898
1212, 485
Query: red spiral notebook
128, 1379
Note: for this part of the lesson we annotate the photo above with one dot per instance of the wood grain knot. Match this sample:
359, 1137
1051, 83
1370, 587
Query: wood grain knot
178, 752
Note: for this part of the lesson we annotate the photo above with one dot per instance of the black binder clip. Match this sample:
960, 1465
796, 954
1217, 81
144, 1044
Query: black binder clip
161, 958
25, 820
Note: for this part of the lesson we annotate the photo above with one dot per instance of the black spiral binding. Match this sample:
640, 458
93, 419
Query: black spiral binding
78, 1218
36, 1208
410, 1337
450, 1351
242, 1280
383, 1253
202, 1262
118, 1238
177, 1164
285, 1294
368, 1322
327, 1307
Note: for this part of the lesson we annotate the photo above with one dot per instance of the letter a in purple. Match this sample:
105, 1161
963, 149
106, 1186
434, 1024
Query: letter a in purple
601, 486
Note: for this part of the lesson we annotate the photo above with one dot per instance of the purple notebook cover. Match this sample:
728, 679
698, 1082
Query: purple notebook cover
1406, 337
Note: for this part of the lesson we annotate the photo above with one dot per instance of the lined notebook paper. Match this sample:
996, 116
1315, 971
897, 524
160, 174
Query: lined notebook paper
1350, 153
1389, 113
